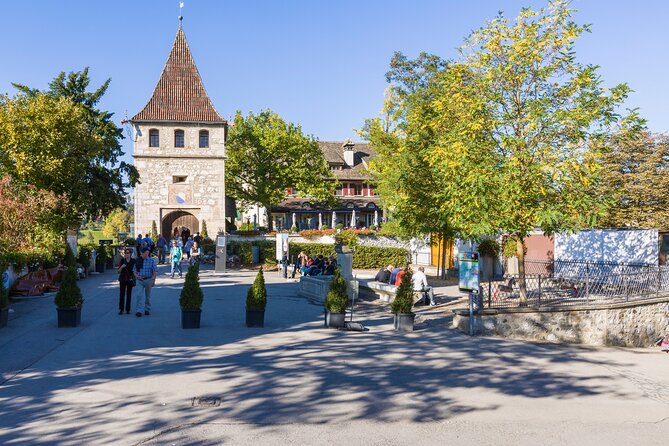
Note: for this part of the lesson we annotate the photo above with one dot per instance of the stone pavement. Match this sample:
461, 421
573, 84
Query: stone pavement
131, 381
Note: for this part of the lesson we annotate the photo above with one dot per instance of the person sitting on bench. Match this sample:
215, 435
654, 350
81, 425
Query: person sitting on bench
419, 280
383, 275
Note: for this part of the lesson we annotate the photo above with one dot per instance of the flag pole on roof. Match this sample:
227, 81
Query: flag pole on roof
181, 17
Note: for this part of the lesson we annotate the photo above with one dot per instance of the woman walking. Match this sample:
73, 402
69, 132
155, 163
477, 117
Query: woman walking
126, 281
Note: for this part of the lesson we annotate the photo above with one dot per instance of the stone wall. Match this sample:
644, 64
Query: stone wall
637, 324
203, 192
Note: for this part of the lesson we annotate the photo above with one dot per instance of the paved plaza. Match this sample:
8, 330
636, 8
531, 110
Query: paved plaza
134, 381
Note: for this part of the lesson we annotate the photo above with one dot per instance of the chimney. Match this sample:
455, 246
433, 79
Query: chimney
349, 154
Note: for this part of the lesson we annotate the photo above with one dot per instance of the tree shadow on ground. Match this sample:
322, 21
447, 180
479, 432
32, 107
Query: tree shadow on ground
294, 371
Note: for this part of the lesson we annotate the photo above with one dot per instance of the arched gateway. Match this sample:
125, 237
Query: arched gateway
180, 219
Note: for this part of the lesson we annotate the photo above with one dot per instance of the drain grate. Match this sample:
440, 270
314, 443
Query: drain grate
206, 401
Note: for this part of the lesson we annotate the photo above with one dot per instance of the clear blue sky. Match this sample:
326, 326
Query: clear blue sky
317, 63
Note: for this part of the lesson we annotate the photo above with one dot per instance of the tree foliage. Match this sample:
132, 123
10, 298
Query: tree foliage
502, 139
117, 221
58, 140
635, 179
30, 217
267, 155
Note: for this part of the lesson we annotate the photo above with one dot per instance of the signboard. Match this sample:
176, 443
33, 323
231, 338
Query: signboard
106, 242
281, 245
469, 271
220, 241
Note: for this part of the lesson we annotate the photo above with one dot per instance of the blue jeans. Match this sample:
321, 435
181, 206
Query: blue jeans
176, 266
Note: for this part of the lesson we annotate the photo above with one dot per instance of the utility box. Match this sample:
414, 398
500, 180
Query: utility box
221, 254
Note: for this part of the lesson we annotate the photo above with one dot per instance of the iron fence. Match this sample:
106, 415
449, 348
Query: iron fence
568, 283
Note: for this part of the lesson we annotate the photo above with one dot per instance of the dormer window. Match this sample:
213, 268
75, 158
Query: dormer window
154, 138
178, 138
204, 139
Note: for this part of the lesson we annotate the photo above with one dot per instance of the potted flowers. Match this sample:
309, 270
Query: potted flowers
401, 306
336, 302
256, 301
191, 299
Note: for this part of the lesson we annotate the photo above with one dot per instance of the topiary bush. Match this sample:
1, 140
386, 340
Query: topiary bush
404, 296
204, 233
336, 300
69, 259
191, 294
101, 258
69, 295
256, 298
84, 257
340, 226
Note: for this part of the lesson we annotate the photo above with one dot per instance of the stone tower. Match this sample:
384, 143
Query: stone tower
179, 152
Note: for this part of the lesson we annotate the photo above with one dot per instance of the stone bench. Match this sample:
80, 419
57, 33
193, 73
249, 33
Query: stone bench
383, 291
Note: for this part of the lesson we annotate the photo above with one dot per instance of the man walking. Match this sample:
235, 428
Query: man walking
161, 244
175, 258
419, 280
145, 272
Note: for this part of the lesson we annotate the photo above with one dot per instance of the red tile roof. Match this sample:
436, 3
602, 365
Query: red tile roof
180, 95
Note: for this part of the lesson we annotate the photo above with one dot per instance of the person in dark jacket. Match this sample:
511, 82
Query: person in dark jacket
383, 275
126, 281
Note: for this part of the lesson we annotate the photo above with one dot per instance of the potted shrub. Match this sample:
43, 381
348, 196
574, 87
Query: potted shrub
69, 300
4, 303
401, 306
191, 299
345, 241
336, 302
256, 301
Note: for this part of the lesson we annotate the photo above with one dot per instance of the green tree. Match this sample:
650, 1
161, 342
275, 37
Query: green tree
336, 300
117, 221
69, 261
267, 155
403, 302
62, 142
205, 234
509, 128
634, 178
30, 217
69, 295
154, 231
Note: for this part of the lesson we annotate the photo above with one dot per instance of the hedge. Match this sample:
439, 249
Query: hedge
243, 250
364, 257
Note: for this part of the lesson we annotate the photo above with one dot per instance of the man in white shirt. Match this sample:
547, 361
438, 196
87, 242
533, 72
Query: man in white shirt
419, 281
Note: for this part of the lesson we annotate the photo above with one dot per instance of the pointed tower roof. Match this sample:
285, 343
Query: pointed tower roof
180, 95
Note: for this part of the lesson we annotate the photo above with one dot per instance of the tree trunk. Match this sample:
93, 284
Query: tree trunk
522, 285
443, 255
270, 221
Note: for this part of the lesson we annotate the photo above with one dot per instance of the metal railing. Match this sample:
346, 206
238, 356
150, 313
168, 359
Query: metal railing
568, 283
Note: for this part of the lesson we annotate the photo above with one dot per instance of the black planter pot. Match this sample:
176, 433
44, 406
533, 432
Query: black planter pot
335, 320
69, 317
404, 321
4, 316
190, 318
255, 318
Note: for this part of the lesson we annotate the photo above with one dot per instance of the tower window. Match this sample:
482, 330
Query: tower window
154, 138
204, 139
178, 138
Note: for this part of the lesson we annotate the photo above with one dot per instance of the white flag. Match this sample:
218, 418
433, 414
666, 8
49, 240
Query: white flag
181, 4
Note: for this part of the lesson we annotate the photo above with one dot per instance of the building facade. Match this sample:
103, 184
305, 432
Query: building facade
179, 151
358, 204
